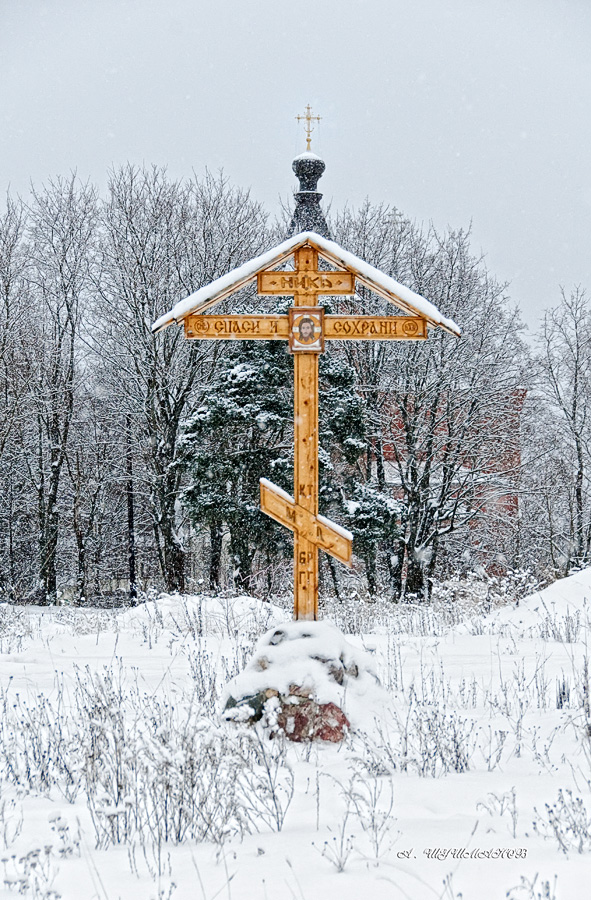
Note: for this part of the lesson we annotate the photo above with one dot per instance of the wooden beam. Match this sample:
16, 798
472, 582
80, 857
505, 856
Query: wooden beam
246, 328
367, 275
276, 327
308, 283
305, 473
377, 328
320, 531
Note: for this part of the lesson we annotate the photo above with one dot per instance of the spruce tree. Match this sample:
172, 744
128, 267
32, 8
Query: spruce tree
244, 432
241, 433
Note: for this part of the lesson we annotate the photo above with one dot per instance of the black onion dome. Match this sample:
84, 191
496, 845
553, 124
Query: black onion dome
308, 168
308, 215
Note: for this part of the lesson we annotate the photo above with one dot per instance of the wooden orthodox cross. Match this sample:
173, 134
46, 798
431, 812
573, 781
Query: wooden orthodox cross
306, 327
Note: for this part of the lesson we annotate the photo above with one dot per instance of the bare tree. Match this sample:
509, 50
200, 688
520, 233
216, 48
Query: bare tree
163, 240
93, 469
455, 428
564, 383
14, 377
62, 230
92, 405
445, 412
547, 490
382, 237
16, 529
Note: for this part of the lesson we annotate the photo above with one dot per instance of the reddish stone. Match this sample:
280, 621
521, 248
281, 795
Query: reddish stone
306, 720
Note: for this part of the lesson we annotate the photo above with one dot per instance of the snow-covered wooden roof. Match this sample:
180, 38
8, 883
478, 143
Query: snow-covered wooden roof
372, 278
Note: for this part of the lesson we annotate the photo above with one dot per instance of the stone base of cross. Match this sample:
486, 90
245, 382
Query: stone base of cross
306, 328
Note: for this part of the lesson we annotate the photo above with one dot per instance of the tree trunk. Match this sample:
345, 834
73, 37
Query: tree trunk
12, 584
333, 575
397, 569
415, 576
579, 538
130, 517
380, 471
242, 560
48, 550
81, 568
215, 555
371, 573
175, 567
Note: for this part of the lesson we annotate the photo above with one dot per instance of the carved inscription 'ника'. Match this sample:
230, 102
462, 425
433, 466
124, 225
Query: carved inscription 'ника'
315, 283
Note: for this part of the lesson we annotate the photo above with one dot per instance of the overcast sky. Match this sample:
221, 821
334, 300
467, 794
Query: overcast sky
455, 111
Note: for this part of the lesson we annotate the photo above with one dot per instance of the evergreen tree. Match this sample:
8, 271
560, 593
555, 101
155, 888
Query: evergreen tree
241, 433
374, 519
244, 431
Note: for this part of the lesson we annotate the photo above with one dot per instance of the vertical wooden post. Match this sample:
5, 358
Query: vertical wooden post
305, 480
305, 473
130, 514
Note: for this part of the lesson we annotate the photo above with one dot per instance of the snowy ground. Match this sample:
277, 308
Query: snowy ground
472, 779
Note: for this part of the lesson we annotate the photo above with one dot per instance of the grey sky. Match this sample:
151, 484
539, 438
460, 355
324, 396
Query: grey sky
453, 110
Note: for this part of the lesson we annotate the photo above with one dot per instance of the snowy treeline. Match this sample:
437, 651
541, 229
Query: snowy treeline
130, 462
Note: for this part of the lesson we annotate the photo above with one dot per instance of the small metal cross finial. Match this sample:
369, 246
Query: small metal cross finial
308, 119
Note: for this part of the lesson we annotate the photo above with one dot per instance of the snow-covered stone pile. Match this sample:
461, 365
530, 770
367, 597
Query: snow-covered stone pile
305, 680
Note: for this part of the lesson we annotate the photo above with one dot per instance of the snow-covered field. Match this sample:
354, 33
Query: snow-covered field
471, 777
